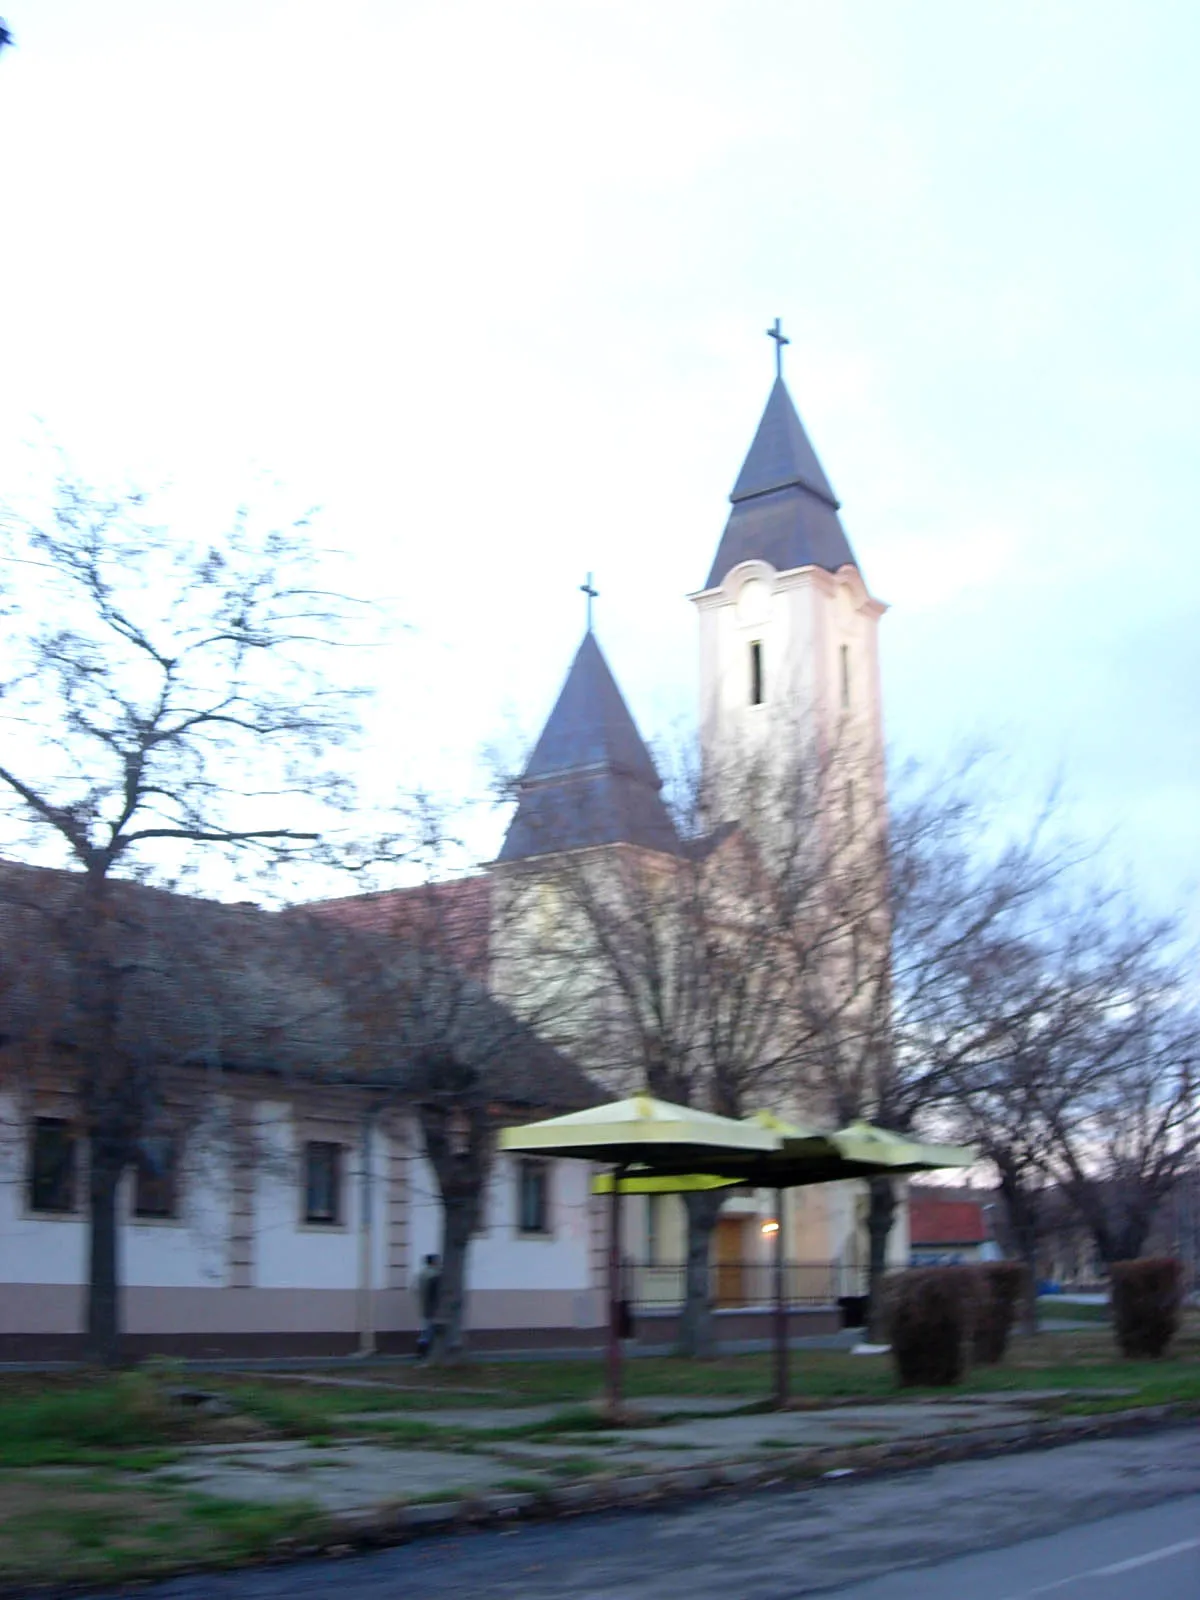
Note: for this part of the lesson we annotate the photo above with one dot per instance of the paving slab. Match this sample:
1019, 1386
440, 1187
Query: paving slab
1019, 1397
736, 1435
361, 1474
483, 1418
478, 1418
693, 1405
343, 1478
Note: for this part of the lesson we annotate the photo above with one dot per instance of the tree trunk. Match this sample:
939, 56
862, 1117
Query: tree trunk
881, 1213
458, 1143
110, 1103
1025, 1232
697, 1325
457, 1228
1119, 1228
103, 1342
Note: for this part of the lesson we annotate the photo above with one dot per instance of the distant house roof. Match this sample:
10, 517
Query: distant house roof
459, 909
935, 1219
590, 779
784, 511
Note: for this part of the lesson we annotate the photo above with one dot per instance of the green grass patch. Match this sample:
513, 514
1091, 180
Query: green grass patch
104, 1527
240, 1529
1051, 1310
84, 1424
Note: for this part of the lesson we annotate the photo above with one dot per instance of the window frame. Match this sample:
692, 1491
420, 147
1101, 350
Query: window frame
529, 1166
169, 1178
70, 1167
337, 1154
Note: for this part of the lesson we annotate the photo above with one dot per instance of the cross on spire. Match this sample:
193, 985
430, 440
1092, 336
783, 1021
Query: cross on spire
780, 339
592, 593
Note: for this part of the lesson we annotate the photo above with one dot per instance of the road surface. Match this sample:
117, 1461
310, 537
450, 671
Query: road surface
1115, 1519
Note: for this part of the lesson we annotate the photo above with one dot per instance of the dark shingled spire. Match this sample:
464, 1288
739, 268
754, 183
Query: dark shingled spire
784, 510
590, 779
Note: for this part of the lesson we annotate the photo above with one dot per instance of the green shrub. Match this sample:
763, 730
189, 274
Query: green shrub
931, 1315
1146, 1299
999, 1288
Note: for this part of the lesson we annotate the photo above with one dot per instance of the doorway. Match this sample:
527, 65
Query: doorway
731, 1261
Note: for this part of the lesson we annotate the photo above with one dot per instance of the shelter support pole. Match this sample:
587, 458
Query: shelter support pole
366, 1239
613, 1398
781, 1306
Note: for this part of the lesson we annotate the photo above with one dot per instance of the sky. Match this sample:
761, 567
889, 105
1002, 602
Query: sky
488, 283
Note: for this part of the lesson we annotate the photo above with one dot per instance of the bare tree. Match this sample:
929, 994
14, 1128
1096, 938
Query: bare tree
162, 700
1121, 1100
413, 969
1082, 1085
916, 899
667, 975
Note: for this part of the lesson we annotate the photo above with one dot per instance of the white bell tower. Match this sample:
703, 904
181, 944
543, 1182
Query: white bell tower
789, 664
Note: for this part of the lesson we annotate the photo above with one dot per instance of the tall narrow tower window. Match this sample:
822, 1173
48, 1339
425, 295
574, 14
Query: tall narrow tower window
756, 674
845, 661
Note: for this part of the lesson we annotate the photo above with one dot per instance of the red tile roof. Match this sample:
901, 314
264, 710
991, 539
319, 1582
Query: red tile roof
455, 916
935, 1220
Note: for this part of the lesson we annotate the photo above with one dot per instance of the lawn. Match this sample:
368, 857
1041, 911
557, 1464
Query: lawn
106, 1526
1051, 1310
76, 1448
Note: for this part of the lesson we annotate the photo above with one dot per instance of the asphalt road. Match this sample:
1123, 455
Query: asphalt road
1108, 1520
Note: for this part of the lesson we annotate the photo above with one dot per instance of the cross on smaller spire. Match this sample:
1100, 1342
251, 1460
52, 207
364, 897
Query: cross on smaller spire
780, 339
592, 593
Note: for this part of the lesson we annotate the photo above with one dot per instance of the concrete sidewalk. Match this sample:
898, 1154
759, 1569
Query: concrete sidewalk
462, 1459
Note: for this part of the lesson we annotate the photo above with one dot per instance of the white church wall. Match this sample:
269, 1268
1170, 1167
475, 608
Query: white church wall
289, 1253
424, 1214
33, 1248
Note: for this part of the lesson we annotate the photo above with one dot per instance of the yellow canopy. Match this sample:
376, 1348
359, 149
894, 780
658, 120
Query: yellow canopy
806, 1155
862, 1141
647, 1132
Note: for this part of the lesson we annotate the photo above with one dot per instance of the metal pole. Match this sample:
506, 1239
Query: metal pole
781, 1309
614, 1295
366, 1240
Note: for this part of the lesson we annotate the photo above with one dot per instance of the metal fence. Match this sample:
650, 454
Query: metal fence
744, 1284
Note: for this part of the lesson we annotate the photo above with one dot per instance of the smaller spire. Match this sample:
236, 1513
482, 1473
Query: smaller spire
590, 780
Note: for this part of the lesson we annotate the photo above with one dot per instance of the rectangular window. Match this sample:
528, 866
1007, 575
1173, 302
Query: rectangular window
52, 1165
154, 1184
533, 1197
323, 1183
757, 694
845, 660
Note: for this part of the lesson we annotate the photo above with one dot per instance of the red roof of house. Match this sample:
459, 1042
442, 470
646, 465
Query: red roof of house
454, 916
933, 1219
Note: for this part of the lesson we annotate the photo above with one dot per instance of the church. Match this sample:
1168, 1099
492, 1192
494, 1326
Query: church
789, 683
316, 1246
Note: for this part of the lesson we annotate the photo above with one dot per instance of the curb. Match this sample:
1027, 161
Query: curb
399, 1523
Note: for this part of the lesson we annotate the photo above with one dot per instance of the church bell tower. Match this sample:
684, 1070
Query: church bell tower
789, 665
